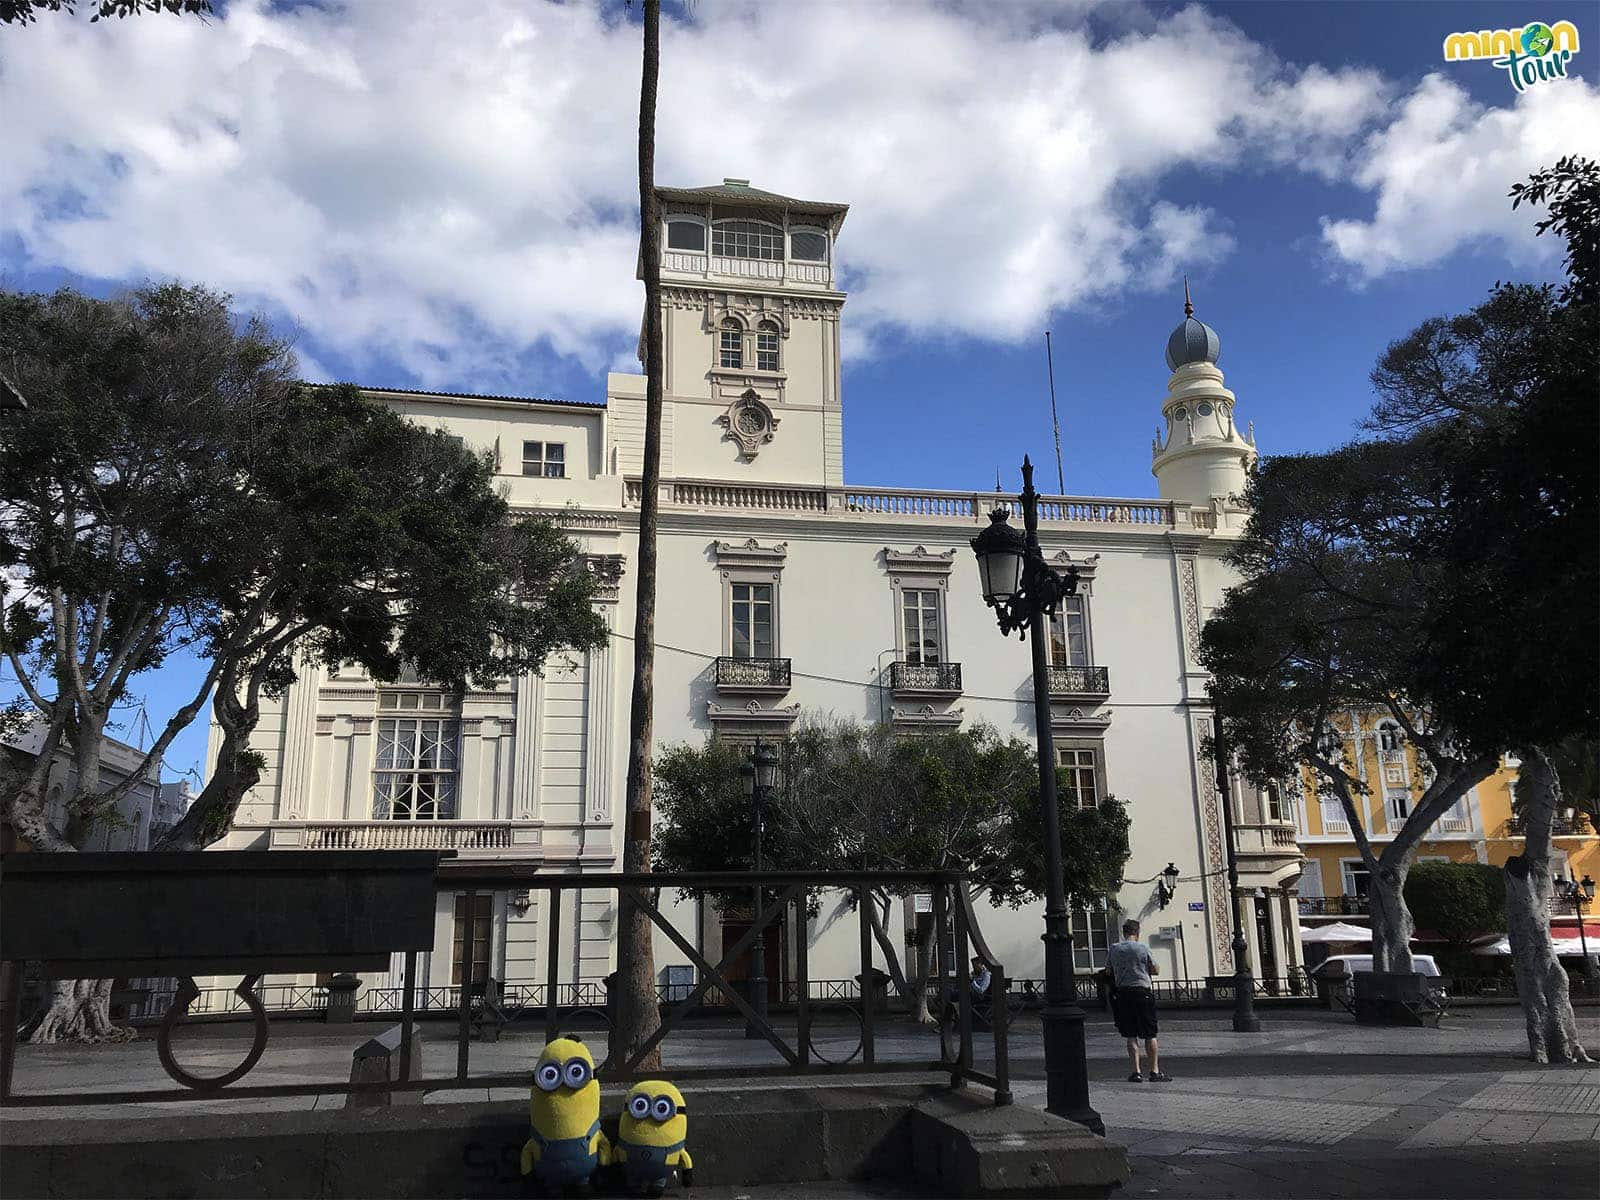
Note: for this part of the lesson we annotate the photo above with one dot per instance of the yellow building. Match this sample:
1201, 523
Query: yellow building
1478, 828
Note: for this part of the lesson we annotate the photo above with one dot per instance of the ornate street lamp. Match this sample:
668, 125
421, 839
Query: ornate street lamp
760, 776
1167, 887
1024, 591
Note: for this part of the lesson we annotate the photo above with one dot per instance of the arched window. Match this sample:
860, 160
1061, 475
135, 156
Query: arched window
1388, 736
686, 235
731, 344
808, 245
747, 239
766, 346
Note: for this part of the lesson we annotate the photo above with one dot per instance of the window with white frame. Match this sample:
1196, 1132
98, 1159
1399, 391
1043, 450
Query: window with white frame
751, 620
547, 460
730, 344
1354, 875
766, 346
1080, 776
686, 235
919, 608
1399, 805
747, 239
1389, 737
1069, 634
1279, 807
1091, 937
808, 245
414, 778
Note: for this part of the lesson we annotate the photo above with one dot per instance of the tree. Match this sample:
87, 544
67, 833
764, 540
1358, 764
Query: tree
169, 487
1457, 900
21, 12
864, 798
1328, 619
638, 1016
1503, 399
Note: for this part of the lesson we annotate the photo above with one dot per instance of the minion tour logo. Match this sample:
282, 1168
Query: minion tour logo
1529, 55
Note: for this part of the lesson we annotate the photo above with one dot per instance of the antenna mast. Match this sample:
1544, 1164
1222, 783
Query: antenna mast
1055, 421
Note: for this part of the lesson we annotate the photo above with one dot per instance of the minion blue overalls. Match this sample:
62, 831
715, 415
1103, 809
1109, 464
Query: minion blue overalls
566, 1162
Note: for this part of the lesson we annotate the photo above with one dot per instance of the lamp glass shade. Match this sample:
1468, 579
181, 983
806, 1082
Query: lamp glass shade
747, 776
766, 768
1587, 885
1000, 550
1171, 875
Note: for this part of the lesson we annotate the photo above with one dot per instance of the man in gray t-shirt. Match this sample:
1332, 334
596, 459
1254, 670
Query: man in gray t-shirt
1133, 1000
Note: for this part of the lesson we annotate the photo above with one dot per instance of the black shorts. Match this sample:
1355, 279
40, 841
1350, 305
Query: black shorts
1135, 1012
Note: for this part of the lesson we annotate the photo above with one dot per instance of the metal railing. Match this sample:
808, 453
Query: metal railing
786, 897
1559, 826
1333, 906
1078, 681
942, 678
734, 674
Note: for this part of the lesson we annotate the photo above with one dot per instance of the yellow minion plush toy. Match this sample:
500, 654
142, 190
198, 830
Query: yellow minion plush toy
564, 1109
651, 1136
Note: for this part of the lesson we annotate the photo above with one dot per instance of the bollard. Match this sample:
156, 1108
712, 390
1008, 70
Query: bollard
378, 1061
341, 1008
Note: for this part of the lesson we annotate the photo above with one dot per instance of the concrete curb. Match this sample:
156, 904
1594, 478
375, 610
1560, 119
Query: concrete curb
952, 1143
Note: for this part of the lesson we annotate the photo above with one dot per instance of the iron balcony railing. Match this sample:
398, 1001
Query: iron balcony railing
1332, 906
1079, 681
1559, 826
921, 679
752, 674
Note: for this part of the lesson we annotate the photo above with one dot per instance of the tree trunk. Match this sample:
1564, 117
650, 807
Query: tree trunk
1392, 926
638, 1014
237, 770
80, 1011
1541, 981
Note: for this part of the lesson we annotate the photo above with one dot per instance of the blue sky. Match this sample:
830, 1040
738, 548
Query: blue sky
436, 205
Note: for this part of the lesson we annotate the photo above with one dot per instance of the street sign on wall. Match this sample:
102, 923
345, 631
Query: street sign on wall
1197, 906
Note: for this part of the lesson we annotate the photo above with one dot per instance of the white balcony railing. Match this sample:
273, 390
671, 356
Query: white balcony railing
467, 837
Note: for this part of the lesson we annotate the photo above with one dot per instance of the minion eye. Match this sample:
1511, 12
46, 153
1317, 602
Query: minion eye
577, 1073
664, 1108
639, 1107
548, 1077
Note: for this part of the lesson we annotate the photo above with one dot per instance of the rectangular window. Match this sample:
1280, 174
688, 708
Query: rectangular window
469, 949
766, 351
1356, 877
1090, 938
732, 348
747, 239
546, 460
686, 235
752, 621
920, 607
1277, 810
1399, 806
415, 777
1080, 780
1069, 639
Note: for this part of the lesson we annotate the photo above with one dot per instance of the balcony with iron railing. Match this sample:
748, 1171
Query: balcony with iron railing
752, 676
1573, 826
1078, 683
925, 679
1333, 906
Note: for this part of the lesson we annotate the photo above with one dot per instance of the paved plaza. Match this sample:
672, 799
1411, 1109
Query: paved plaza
1311, 1106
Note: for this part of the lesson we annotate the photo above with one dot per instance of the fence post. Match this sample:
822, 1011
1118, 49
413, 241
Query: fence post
958, 1077
803, 970
408, 1014
1000, 1013
552, 965
464, 1010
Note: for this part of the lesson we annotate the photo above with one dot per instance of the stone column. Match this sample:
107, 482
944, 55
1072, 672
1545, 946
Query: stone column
1280, 950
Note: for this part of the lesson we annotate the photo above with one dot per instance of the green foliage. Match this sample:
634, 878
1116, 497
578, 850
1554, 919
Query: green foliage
21, 12
1570, 192
1457, 900
861, 798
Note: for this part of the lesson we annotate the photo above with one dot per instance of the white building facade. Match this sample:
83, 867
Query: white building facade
782, 590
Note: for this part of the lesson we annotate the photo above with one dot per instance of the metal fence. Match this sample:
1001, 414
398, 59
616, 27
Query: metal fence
781, 896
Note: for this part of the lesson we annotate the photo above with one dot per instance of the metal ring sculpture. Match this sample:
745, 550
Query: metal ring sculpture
187, 994
860, 1042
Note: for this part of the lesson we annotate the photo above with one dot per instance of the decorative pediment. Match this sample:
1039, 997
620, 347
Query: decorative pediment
1075, 721
607, 570
1061, 560
732, 717
925, 716
749, 422
921, 560
751, 553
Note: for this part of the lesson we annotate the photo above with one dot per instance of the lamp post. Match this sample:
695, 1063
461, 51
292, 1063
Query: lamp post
759, 774
1580, 892
1244, 987
1023, 591
1167, 886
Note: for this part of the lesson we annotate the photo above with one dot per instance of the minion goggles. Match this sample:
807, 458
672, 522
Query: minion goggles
662, 1108
574, 1073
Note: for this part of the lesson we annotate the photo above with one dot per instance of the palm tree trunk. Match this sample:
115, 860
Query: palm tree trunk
638, 1015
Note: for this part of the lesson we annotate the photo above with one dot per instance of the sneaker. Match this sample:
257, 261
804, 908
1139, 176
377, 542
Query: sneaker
1160, 1077
1136, 1078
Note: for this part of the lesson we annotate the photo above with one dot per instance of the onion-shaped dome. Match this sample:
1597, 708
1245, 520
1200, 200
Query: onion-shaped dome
1193, 341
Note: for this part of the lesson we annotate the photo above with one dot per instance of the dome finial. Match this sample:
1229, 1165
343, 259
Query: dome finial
1188, 308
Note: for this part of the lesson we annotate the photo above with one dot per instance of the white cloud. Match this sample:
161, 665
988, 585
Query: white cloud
409, 184
1441, 169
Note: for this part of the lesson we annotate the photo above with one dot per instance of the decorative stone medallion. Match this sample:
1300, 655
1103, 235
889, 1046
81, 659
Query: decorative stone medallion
749, 422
